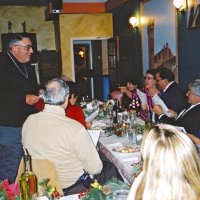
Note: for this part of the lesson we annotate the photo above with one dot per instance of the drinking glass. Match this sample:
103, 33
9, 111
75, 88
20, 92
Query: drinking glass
120, 195
131, 136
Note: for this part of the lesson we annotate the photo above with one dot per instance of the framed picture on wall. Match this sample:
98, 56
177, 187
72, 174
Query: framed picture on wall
193, 13
158, 35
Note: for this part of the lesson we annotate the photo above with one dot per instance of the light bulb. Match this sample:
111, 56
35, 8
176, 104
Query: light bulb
133, 21
178, 3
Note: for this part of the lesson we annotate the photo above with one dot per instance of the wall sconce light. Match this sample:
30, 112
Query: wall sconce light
81, 53
181, 5
134, 22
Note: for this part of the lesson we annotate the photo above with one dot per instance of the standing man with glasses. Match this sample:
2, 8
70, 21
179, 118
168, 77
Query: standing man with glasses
19, 92
171, 93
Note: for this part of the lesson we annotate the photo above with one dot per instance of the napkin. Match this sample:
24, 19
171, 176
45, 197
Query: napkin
70, 197
94, 134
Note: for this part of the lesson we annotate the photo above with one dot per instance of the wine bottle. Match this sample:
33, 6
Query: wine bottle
28, 180
148, 122
115, 111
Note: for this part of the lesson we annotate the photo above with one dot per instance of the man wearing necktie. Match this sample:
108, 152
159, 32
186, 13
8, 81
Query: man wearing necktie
172, 94
189, 118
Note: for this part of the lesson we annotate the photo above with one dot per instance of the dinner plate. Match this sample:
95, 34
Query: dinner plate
126, 149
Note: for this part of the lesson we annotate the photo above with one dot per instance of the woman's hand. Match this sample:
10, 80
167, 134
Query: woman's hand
144, 106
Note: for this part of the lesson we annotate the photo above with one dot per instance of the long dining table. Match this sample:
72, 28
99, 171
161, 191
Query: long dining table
128, 164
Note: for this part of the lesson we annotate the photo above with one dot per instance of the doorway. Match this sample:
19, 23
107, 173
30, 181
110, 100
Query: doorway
82, 54
88, 55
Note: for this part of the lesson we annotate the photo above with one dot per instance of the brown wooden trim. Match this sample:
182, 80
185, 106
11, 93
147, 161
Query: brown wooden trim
111, 4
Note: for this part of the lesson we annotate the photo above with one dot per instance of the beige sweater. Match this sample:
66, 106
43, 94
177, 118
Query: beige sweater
53, 136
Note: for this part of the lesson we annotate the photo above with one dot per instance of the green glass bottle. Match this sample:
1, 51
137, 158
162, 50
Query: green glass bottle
148, 122
28, 180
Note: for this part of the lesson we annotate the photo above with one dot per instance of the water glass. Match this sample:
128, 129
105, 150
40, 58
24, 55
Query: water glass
139, 139
120, 195
131, 136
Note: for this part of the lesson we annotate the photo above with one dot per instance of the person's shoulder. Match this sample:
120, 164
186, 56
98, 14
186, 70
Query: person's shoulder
34, 115
3, 58
74, 123
175, 87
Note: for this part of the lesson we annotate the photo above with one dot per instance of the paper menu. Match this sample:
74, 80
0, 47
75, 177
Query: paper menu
142, 97
180, 128
157, 100
94, 134
92, 116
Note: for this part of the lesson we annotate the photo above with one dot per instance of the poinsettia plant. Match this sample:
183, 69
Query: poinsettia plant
9, 191
49, 190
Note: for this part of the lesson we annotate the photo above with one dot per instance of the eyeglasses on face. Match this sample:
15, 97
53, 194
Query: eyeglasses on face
159, 80
190, 92
27, 47
148, 77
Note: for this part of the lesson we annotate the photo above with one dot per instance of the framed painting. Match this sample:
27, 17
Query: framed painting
193, 13
158, 30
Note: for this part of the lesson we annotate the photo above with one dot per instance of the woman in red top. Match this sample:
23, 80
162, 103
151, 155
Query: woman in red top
72, 111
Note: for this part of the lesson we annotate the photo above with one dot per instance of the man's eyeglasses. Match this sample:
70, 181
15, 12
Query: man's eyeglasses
159, 80
27, 47
190, 92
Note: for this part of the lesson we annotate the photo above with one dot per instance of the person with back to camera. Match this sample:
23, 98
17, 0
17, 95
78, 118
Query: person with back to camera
171, 168
73, 111
53, 136
19, 92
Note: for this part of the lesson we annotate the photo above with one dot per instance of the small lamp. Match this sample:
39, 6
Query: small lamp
180, 4
134, 22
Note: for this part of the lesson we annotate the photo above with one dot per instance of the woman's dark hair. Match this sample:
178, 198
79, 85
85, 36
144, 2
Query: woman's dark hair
74, 89
152, 72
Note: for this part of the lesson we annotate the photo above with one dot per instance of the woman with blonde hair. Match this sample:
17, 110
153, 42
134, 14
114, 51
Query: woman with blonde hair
171, 169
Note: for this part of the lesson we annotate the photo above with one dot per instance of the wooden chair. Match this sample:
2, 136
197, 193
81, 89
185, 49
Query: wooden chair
42, 169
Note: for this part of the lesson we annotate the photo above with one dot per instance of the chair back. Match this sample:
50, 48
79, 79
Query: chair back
43, 169
117, 95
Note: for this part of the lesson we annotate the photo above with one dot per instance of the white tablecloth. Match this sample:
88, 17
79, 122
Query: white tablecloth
70, 197
123, 161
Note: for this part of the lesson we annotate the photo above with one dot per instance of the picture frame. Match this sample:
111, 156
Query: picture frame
193, 14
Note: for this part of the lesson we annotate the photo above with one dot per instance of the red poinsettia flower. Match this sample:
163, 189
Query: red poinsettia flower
11, 190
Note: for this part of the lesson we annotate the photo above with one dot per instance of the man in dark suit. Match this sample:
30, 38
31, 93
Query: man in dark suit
189, 118
172, 95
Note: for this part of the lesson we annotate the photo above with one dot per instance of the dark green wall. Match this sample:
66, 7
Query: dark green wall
130, 59
188, 51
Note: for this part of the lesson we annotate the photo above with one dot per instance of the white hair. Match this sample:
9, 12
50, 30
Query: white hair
55, 92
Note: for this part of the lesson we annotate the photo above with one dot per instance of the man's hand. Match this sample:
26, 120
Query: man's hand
158, 109
32, 99
172, 113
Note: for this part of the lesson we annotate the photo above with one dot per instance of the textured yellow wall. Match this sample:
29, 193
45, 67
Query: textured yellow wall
81, 26
35, 23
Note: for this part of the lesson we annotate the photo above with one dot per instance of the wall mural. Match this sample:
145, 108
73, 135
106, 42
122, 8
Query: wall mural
158, 35
193, 13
